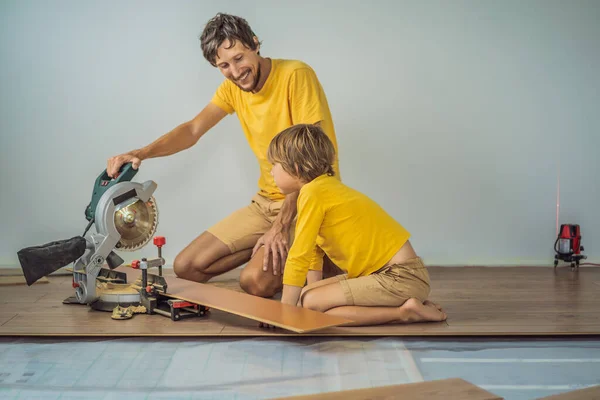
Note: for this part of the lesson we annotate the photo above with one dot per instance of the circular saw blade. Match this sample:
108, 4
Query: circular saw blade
136, 223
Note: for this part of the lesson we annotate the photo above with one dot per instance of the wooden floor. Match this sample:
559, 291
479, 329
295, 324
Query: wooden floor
479, 301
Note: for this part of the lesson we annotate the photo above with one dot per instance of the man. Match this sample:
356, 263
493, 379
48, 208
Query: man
268, 96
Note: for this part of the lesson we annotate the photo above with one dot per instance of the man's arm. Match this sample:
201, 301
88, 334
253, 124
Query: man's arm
288, 212
180, 138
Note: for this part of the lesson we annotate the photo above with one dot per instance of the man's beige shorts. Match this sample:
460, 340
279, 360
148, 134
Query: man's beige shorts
390, 286
241, 229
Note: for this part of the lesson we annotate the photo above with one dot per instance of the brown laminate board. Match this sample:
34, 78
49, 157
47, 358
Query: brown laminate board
12, 280
9, 271
20, 294
6, 316
479, 301
420, 329
273, 312
81, 322
443, 389
590, 393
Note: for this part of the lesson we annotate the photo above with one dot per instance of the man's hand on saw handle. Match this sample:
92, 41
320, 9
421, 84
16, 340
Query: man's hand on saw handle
115, 163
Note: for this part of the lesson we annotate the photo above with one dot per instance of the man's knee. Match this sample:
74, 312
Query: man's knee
184, 268
194, 261
256, 282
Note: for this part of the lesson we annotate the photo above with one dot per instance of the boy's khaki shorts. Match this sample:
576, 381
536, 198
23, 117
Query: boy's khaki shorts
241, 229
390, 286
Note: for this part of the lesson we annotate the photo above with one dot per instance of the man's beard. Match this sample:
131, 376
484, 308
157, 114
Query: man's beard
254, 83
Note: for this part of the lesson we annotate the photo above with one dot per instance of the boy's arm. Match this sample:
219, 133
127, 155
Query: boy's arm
291, 295
314, 276
304, 254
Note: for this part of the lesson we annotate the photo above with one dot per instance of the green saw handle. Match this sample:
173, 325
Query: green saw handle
103, 183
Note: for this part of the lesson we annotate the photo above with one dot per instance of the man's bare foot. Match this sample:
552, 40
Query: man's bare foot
415, 311
430, 303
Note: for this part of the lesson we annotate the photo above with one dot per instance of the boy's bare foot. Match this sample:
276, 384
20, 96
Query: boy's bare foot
430, 303
415, 311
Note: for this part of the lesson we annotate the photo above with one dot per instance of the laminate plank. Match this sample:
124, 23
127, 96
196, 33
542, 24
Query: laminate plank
6, 316
416, 329
590, 393
11, 280
10, 271
224, 293
296, 319
443, 389
504, 305
272, 312
98, 323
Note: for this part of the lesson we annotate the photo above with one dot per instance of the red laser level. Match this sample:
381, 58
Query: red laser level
568, 245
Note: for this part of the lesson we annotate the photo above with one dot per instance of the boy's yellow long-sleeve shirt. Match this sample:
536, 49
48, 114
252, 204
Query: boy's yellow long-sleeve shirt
357, 234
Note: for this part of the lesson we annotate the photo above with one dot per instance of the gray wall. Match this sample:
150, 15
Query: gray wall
452, 115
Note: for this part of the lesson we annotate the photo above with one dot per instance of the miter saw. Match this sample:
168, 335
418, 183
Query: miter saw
126, 217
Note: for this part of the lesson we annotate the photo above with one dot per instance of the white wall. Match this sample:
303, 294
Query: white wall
452, 115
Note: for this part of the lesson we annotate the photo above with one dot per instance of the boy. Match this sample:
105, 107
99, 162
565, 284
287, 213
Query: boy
385, 280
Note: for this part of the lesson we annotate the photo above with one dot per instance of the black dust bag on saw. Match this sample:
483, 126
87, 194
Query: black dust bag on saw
39, 261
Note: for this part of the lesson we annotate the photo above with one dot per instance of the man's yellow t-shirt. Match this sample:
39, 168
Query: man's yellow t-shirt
292, 94
357, 234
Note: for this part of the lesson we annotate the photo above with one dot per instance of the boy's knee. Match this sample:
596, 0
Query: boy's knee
310, 299
257, 283
301, 301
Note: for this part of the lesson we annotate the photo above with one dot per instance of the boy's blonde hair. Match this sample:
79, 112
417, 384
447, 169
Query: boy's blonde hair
304, 151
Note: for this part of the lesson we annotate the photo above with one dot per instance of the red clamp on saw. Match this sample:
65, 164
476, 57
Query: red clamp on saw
125, 217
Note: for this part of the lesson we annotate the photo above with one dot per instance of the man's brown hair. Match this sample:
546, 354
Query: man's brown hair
223, 27
304, 151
